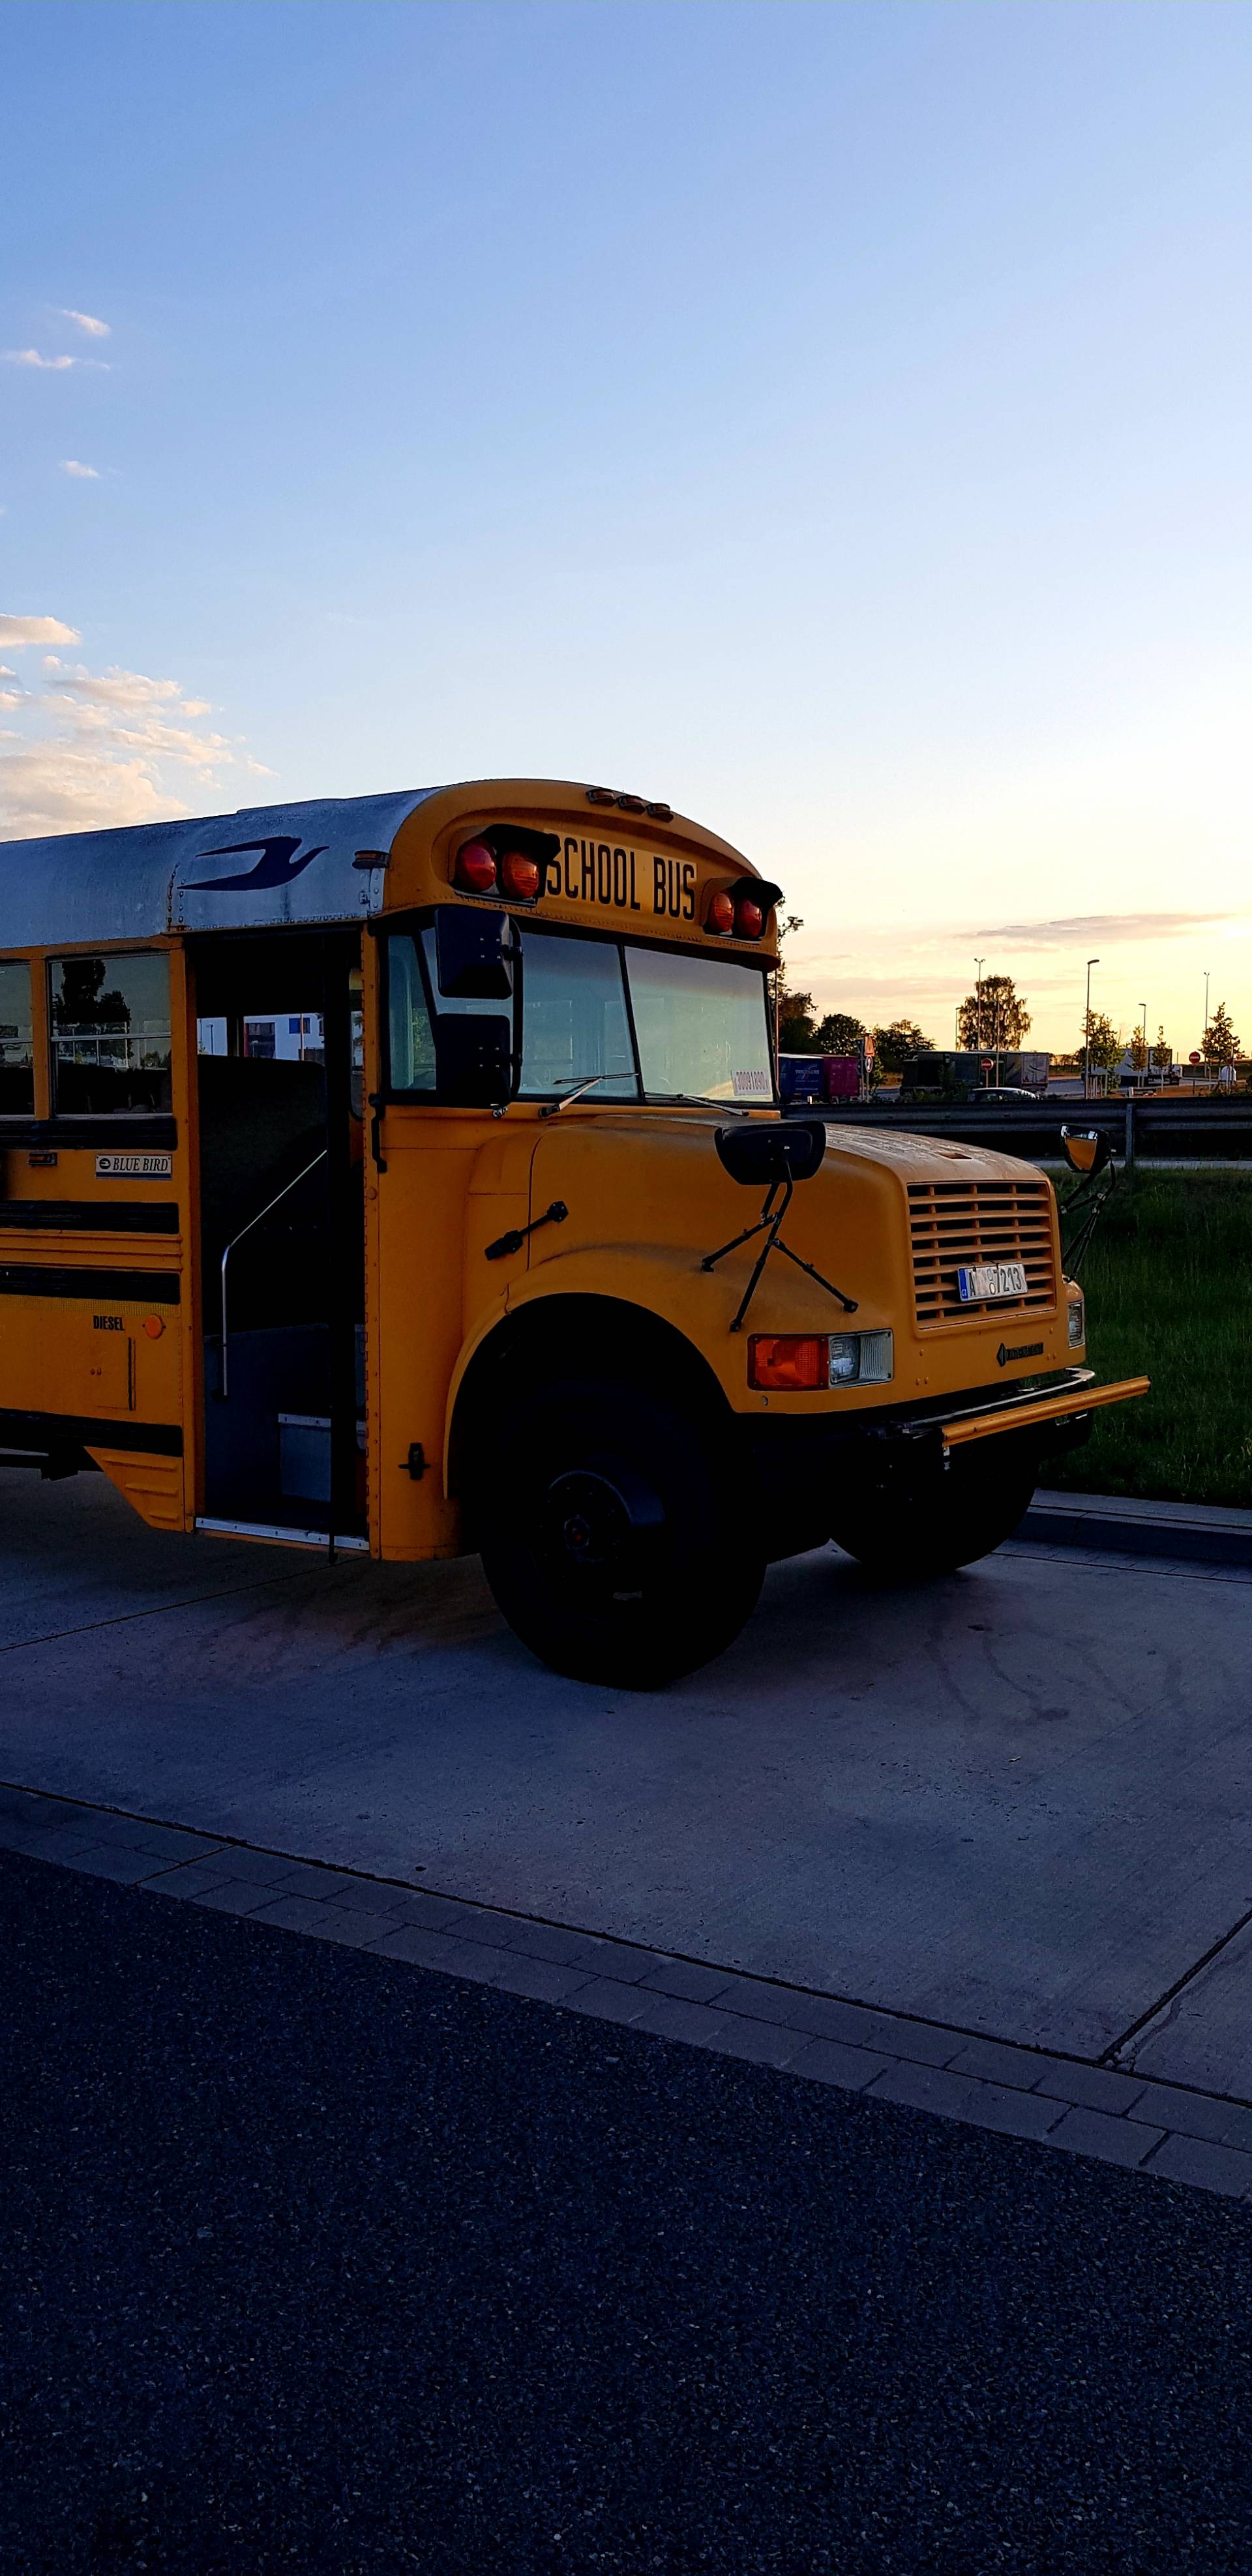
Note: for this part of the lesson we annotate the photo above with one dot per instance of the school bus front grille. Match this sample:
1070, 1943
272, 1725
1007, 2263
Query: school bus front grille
954, 1224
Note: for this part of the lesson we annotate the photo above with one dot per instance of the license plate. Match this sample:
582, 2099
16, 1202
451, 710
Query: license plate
991, 1279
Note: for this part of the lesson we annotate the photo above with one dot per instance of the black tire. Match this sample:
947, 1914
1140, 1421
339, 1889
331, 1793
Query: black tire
602, 1515
914, 1528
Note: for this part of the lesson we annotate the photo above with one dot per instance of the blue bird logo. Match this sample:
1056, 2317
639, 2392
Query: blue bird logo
277, 865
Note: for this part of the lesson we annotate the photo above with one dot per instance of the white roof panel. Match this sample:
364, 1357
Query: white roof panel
260, 868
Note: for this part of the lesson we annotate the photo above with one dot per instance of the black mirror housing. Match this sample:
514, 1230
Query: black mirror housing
473, 1060
473, 954
1086, 1149
760, 1156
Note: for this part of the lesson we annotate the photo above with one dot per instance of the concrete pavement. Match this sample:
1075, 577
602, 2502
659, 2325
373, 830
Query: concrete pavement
1015, 1803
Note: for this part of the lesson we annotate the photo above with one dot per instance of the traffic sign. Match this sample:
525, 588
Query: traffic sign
1195, 1056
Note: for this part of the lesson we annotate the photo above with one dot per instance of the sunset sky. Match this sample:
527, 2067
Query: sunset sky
832, 416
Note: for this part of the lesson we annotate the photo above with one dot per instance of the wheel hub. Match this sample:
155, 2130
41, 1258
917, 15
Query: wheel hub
586, 1521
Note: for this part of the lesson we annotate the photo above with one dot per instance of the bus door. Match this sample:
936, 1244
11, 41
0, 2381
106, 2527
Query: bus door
281, 1231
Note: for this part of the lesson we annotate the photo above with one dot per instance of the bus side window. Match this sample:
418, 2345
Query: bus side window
17, 1059
110, 1033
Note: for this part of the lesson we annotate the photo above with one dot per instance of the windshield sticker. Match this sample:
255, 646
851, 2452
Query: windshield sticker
752, 1083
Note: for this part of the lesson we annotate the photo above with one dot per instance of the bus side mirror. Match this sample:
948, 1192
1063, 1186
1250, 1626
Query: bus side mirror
473, 1060
1086, 1149
761, 1157
473, 954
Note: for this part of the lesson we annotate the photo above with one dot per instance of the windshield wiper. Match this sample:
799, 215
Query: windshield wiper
581, 1082
705, 1100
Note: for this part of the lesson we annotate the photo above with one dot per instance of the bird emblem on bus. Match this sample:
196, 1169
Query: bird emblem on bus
277, 865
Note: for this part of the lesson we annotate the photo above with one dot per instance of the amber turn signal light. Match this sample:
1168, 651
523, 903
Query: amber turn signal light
794, 1361
475, 868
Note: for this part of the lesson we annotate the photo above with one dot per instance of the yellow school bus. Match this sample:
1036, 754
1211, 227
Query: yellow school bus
406, 1174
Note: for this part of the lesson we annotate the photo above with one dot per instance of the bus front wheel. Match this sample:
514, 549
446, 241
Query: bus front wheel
914, 1532
605, 1535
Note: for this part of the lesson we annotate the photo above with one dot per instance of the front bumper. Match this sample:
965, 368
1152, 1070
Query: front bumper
1056, 1407
801, 1467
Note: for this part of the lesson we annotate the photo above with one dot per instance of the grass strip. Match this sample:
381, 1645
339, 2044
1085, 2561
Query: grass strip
1168, 1281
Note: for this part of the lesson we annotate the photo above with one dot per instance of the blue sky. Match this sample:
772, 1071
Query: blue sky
833, 418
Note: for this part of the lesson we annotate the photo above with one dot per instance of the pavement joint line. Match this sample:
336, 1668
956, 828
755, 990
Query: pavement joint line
1091, 1560
154, 1610
1109, 2056
946, 2091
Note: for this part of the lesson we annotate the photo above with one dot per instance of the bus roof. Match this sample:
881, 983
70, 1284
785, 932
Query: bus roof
255, 869
273, 866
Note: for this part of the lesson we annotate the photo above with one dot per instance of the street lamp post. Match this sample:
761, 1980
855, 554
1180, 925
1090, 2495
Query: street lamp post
1207, 972
1086, 1034
979, 963
1147, 1060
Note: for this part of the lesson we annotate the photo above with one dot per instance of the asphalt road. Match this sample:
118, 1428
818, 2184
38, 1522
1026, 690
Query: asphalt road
313, 2261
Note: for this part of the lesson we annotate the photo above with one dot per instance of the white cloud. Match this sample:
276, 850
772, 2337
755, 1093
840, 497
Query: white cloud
57, 365
55, 786
88, 322
1084, 926
101, 748
10, 698
145, 715
16, 631
6, 673
81, 473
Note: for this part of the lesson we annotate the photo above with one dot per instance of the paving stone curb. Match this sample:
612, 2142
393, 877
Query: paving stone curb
1196, 1533
1153, 2128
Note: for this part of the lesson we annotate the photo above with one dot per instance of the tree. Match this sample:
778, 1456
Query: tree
995, 1015
797, 1024
795, 1020
897, 1042
1162, 1052
840, 1033
1139, 1050
1102, 1047
1220, 1044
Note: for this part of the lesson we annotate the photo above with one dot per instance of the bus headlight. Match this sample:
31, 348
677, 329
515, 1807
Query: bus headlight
861, 1359
1077, 1322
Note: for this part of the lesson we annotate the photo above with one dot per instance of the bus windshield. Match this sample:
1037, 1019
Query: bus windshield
638, 1023
701, 1025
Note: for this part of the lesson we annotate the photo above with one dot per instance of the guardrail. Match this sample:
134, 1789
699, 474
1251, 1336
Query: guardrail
1160, 1130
